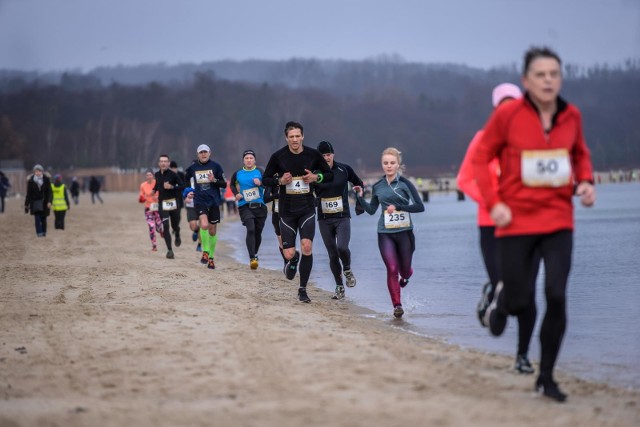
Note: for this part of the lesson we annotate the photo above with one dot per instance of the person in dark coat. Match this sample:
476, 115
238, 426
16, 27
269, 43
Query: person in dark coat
75, 190
4, 188
94, 188
39, 199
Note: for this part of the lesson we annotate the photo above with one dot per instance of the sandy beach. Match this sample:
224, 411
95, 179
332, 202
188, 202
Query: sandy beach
96, 330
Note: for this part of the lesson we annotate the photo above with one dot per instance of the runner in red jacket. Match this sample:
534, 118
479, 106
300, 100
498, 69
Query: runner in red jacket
503, 93
543, 157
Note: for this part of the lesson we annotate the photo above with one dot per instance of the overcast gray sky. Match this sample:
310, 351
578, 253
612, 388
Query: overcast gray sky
83, 34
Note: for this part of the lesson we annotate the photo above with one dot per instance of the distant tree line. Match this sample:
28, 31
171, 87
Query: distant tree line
429, 112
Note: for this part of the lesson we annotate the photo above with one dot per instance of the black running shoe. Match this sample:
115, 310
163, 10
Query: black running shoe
523, 365
550, 389
404, 282
494, 318
398, 312
170, 254
302, 295
178, 241
339, 294
291, 268
484, 302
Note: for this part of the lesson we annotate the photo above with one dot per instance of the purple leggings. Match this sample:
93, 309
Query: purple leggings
396, 250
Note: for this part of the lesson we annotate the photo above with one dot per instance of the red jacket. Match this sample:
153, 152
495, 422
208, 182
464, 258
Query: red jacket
515, 134
467, 181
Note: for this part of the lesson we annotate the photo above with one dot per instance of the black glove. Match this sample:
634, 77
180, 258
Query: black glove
26, 209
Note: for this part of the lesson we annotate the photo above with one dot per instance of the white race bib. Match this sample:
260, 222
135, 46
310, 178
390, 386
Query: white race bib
251, 194
546, 168
188, 203
331, 205
397, 219
169, 205
153, 206
202, 177
297, 186
276, 206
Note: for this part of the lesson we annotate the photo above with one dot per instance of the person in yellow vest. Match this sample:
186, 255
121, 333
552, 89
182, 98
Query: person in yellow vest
60, 204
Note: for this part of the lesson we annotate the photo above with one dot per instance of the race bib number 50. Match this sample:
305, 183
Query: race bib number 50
546, 168
397, 219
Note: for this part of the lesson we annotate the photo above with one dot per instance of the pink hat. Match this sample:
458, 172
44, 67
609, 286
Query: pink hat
505, 90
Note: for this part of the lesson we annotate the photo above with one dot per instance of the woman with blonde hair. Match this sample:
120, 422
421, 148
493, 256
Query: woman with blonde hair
396, 242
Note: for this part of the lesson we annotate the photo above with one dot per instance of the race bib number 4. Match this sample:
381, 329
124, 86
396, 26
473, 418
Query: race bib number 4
297, 186
251, 194
331, 205
397, 219
546, 168
202, 177
169, 205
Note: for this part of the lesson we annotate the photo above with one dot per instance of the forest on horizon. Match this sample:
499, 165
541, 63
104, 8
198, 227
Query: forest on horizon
126, 116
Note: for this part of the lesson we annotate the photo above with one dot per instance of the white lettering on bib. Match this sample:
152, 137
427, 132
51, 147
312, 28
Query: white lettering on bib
169, 205
546, 168
202, 177
251, 194
331, 205
397, 219
297, 186
153, 206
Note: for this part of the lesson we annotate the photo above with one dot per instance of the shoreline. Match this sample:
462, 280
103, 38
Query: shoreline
113, 334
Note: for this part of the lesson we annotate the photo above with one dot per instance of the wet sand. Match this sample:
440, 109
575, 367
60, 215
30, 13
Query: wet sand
95, 329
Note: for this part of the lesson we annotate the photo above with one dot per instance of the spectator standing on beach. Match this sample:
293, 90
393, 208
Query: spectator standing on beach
75, 190
38, 199
502, 94
398, 199
544, 161
294, 169
94, 188
60, 203
4, 189
334, 217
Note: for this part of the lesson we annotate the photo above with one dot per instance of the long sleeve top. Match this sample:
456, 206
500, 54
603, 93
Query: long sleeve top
538, 168
467, 181
402, 194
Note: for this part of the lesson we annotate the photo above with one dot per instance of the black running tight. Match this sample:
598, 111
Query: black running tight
517, 253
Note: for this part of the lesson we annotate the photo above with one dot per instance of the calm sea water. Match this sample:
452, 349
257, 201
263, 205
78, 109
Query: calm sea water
602, 341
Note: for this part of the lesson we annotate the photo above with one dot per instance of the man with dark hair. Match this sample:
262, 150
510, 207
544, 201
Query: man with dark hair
169, 188
294, 168
544, 161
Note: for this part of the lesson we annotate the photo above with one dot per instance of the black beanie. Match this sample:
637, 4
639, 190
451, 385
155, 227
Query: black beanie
325, 147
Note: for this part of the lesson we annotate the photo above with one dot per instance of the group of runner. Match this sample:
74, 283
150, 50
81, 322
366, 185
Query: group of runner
523, 169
